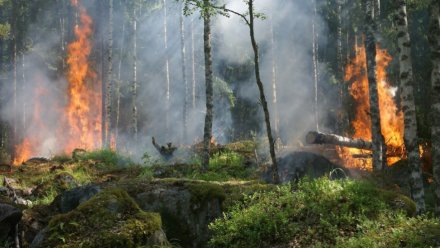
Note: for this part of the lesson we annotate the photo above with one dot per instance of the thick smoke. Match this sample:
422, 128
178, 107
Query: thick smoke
45, 84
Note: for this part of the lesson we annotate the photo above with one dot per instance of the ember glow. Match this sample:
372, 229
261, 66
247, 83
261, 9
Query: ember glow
391, 117
79, 121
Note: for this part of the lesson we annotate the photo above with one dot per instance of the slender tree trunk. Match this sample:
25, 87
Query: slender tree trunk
109, 85
118, 86
103, 75
263, 101
379, 157
134, 120
193, 66
377, 13
167, 69
62, 30
408, 106
342, 114
207, 134
315, 65
276, 118
185, 81
2, 81
434, 40
23, 101
14, 87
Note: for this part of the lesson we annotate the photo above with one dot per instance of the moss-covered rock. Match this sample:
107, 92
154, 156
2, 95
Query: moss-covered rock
109, 219
188, 206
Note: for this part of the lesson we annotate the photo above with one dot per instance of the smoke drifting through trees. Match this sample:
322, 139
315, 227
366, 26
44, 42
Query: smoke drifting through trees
292, 33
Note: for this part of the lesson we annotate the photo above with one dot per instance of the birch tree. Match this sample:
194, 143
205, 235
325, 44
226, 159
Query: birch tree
379, 157
434, 40
249, 19
408, 106
206, 11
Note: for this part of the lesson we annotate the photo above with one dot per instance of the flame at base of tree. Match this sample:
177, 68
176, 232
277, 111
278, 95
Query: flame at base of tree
83, 111
392, 125
79, 122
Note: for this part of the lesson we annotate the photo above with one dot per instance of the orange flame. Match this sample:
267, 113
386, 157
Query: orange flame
391, 117
84, 90
80, 125
30, 144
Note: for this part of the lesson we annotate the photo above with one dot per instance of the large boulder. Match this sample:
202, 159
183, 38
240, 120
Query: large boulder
295, 165
109, 219
71, 199
9, 218
188, 206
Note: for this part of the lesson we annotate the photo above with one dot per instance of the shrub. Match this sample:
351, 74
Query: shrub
107, 157
309, 214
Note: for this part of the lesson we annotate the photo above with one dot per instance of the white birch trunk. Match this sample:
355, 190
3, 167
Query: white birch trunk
408, 106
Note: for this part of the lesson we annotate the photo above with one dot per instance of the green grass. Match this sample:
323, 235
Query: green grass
107, 158
313, 213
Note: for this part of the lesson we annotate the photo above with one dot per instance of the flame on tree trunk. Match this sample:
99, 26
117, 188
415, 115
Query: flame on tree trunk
391, 117
83, 111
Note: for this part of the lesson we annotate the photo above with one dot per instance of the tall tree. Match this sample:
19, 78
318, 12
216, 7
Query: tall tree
379, 149
134, 116
119, 80
263, 101
249, 19
206, 10
276, 118
167, 68
109, 84
315, 64
193, 66
408, 106
434, 40
207, 134
185, 81
342, 115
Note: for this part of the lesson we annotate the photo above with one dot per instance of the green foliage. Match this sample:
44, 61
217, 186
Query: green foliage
61, 158
107, 158
110, 219
5, 30
223, 90
313, 213
223, 166
396, 231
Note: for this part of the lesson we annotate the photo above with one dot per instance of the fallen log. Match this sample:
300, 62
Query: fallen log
314, 137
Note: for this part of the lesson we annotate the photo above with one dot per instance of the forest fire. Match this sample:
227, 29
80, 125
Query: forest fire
391, 117
83, 110
80, 119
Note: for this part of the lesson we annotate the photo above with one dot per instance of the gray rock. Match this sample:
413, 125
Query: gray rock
184, 219
9, 218
38, 240
71, 199
296, 165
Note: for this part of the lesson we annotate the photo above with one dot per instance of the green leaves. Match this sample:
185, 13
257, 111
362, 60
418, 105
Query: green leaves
5, 30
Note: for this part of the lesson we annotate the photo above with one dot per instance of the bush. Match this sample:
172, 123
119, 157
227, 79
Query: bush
396, 231
312, 213
107, 157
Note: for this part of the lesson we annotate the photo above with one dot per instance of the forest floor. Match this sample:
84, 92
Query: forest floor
104, 199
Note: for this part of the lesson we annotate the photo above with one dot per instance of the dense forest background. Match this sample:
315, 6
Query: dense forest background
35, 36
